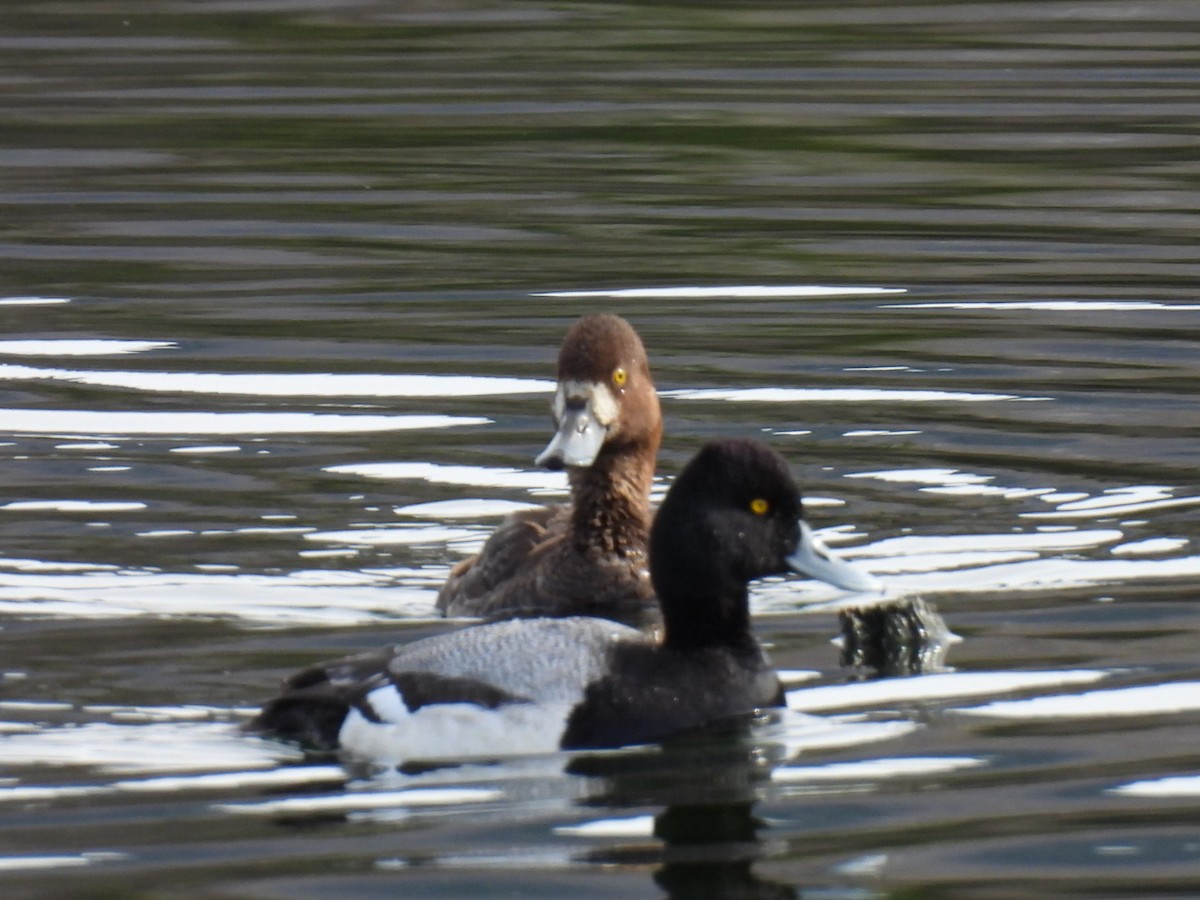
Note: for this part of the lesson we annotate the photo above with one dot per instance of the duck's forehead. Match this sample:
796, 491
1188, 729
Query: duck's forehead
749, 470
781, 491
596, 346
774, 477
753, 463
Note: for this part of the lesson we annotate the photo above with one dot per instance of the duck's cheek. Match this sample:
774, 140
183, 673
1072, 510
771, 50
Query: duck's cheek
450, 730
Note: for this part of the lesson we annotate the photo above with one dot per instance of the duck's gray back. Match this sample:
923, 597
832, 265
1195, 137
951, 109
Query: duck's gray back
544, 660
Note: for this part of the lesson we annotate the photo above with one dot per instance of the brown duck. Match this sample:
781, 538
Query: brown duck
588, 558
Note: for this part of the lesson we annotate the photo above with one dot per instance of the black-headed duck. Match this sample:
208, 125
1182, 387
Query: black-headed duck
588, 558
537, 685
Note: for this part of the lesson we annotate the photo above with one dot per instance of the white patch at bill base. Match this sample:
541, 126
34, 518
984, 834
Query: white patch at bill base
599, 397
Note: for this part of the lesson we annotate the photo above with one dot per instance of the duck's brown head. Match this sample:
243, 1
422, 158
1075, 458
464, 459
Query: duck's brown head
605, 398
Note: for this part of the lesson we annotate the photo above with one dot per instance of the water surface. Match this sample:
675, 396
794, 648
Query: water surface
281, 290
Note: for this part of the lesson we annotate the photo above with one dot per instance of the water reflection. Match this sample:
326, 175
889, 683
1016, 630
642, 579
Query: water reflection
1144, 700
296, 384
116, 423
702, 845
60, 347
32, 301
936, 686
747, 291
326, 597
248, 247
709, 843
710, 851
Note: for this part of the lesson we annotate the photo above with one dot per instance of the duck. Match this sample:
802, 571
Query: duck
539, 685
588, 557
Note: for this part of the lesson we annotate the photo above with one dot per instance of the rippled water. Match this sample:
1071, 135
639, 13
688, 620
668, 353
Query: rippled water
281, 286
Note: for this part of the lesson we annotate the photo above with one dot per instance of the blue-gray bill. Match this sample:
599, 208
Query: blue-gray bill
577, 441
814, 559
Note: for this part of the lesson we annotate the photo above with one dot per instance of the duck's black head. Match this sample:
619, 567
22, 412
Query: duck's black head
605, 397
732, 515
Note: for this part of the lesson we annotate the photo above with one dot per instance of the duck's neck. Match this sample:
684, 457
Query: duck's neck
702, 609
610, 502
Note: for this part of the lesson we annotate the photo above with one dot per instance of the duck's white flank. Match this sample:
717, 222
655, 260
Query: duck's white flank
451, 730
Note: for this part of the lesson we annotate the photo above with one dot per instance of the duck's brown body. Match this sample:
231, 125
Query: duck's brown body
588, 558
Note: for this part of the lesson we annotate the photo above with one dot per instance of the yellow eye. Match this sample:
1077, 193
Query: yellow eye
620, 376
759, 506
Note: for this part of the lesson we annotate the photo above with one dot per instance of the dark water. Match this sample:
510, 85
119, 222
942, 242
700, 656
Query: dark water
280, 219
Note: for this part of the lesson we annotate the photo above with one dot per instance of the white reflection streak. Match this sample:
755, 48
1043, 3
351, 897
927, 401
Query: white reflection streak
1037, 574
1121, 497
929, 476
327, 384
416, 797
325, 597
223, 781
1069, 505
81, 347
216, 781
876, 769
410, 536
32, 301
911, 545
836, 395
750, 291
464, 509
37, 565
958, 483
508, 858
1012, 562
1156, 699
1172, 786
88, 506
24, 863
1051, 305
472, 476
158, 747
1111, 509
877, 432
632, 827
116, 423
932, 687
800, 733
1149, 546
86, 445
